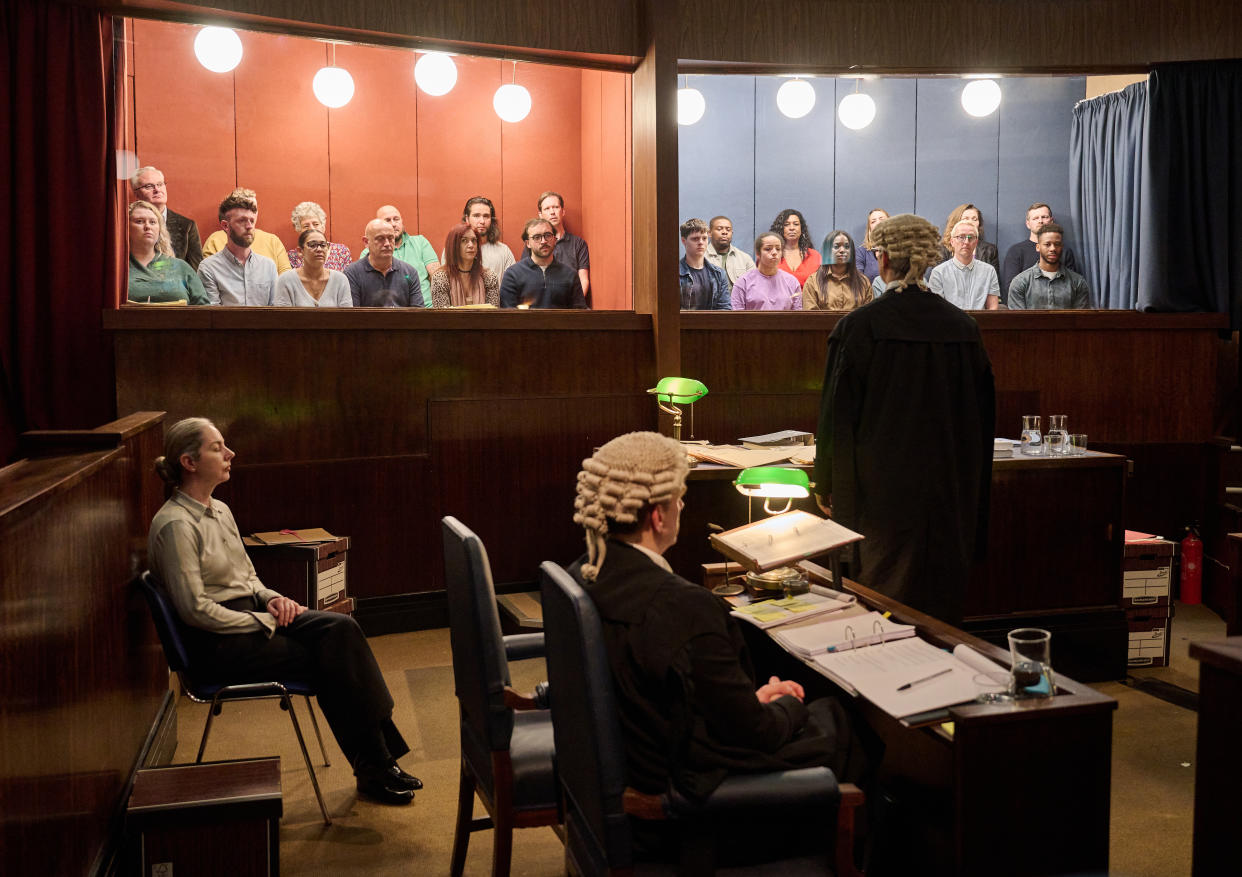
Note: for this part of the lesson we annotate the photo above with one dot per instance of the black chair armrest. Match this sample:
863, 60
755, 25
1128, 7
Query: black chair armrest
519, 646
808, 786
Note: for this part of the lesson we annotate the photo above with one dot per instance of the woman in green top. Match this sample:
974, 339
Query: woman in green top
155, 275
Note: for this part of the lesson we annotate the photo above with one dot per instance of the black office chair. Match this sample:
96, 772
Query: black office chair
506, 739
591, 768
202, 690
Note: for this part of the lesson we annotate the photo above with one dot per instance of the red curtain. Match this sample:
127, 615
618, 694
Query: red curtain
60, 252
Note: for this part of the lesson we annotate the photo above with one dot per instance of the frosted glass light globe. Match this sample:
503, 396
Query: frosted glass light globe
981, 97
856, 111
435, 73
796, 98
333, 87
690, 106
219, 49
511, 102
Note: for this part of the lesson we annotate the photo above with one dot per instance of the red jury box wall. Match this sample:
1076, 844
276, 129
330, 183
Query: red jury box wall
261, 126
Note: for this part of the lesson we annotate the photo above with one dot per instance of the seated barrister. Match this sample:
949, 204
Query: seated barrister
245, 632
689, 709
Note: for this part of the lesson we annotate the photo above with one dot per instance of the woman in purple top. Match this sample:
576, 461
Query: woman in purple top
766, 287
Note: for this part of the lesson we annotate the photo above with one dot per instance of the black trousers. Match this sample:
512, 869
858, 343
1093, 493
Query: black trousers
325, 649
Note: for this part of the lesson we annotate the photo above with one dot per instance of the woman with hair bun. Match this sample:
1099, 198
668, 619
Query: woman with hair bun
246, 632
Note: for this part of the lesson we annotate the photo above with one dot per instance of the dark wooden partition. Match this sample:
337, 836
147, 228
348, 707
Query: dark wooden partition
374, 424
83, 677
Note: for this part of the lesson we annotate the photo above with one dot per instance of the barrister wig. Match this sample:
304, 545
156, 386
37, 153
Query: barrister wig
621, 482
912, 244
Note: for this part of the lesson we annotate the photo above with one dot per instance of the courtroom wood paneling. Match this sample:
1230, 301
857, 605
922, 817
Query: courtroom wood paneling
608, 35
977, 36
82, 676
1218, 770
508, 468
385, 505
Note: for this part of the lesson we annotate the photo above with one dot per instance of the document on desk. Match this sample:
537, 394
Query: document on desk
742, 458
841, 634
912, 676
772, 613
781, 539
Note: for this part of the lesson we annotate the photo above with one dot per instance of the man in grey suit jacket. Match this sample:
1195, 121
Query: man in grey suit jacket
148, 184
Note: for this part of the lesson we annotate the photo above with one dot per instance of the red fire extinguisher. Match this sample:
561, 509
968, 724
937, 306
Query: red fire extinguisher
1192, 567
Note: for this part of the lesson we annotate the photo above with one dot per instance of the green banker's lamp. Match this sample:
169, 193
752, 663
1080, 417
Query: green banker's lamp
774, 482
671, 392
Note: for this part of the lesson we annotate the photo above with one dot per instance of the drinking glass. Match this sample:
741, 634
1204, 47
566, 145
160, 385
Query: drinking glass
1032, 439
1078, 443
1030, 650
1058, 438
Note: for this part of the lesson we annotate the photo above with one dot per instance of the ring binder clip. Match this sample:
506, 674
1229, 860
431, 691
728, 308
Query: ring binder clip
877, 630
849, 636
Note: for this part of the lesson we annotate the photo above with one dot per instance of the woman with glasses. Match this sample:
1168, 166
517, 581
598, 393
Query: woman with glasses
837, 285
985, 251
312, 284
798, 257
864, 258
463, 280
156, 276
306, 215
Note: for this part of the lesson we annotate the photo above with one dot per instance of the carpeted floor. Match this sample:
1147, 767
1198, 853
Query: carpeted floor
1152, 801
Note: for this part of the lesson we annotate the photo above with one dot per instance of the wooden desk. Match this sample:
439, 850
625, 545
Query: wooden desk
1054, 553
1218, 767
1015, 789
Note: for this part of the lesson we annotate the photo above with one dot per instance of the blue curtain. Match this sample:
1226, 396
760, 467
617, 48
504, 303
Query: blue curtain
1191, 242
1107, 138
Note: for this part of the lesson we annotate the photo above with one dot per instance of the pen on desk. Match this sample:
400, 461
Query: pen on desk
908, 685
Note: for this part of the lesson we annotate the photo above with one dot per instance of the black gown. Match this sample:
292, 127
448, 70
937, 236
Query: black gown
904, 446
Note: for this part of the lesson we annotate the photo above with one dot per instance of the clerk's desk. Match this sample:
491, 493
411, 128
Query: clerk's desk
1014, 789
1054, 553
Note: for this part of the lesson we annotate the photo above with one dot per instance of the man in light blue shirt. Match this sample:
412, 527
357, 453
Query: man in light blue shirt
965, 281
236, 275
1048, 285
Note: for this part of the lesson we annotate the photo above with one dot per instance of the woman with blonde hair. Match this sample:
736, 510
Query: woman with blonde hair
864, 258
985, 251
156, 276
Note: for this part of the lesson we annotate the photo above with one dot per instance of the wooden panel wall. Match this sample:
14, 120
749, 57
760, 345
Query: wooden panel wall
976, 36
82, 676
374, 424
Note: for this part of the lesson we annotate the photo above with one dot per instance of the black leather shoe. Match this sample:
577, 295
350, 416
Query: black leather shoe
385, 788
411, 781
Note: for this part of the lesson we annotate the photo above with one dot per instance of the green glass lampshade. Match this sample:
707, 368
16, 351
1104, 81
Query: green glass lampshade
679, 391
773, 481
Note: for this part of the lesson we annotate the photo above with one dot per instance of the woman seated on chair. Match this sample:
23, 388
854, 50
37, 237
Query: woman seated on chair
237, 630
691, 710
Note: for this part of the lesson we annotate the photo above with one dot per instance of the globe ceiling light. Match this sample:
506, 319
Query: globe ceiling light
796, 98
690, 106
333, 87
856, 111
981, 97
511, 102
435, 73
219, 49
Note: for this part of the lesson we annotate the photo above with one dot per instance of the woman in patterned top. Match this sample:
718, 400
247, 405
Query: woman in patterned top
306, 215
463, 280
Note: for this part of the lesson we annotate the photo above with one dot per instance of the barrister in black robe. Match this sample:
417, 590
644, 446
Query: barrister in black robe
904, 445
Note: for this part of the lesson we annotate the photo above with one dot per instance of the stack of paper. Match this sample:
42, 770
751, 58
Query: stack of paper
841, 634
1003, 447
913, 676
770, 613
742, 458
775, 439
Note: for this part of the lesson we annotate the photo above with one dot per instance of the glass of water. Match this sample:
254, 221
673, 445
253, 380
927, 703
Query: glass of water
1058, 437
1030, 649
1032, 438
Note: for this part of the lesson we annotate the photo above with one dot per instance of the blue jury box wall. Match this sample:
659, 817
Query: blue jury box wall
923, 154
